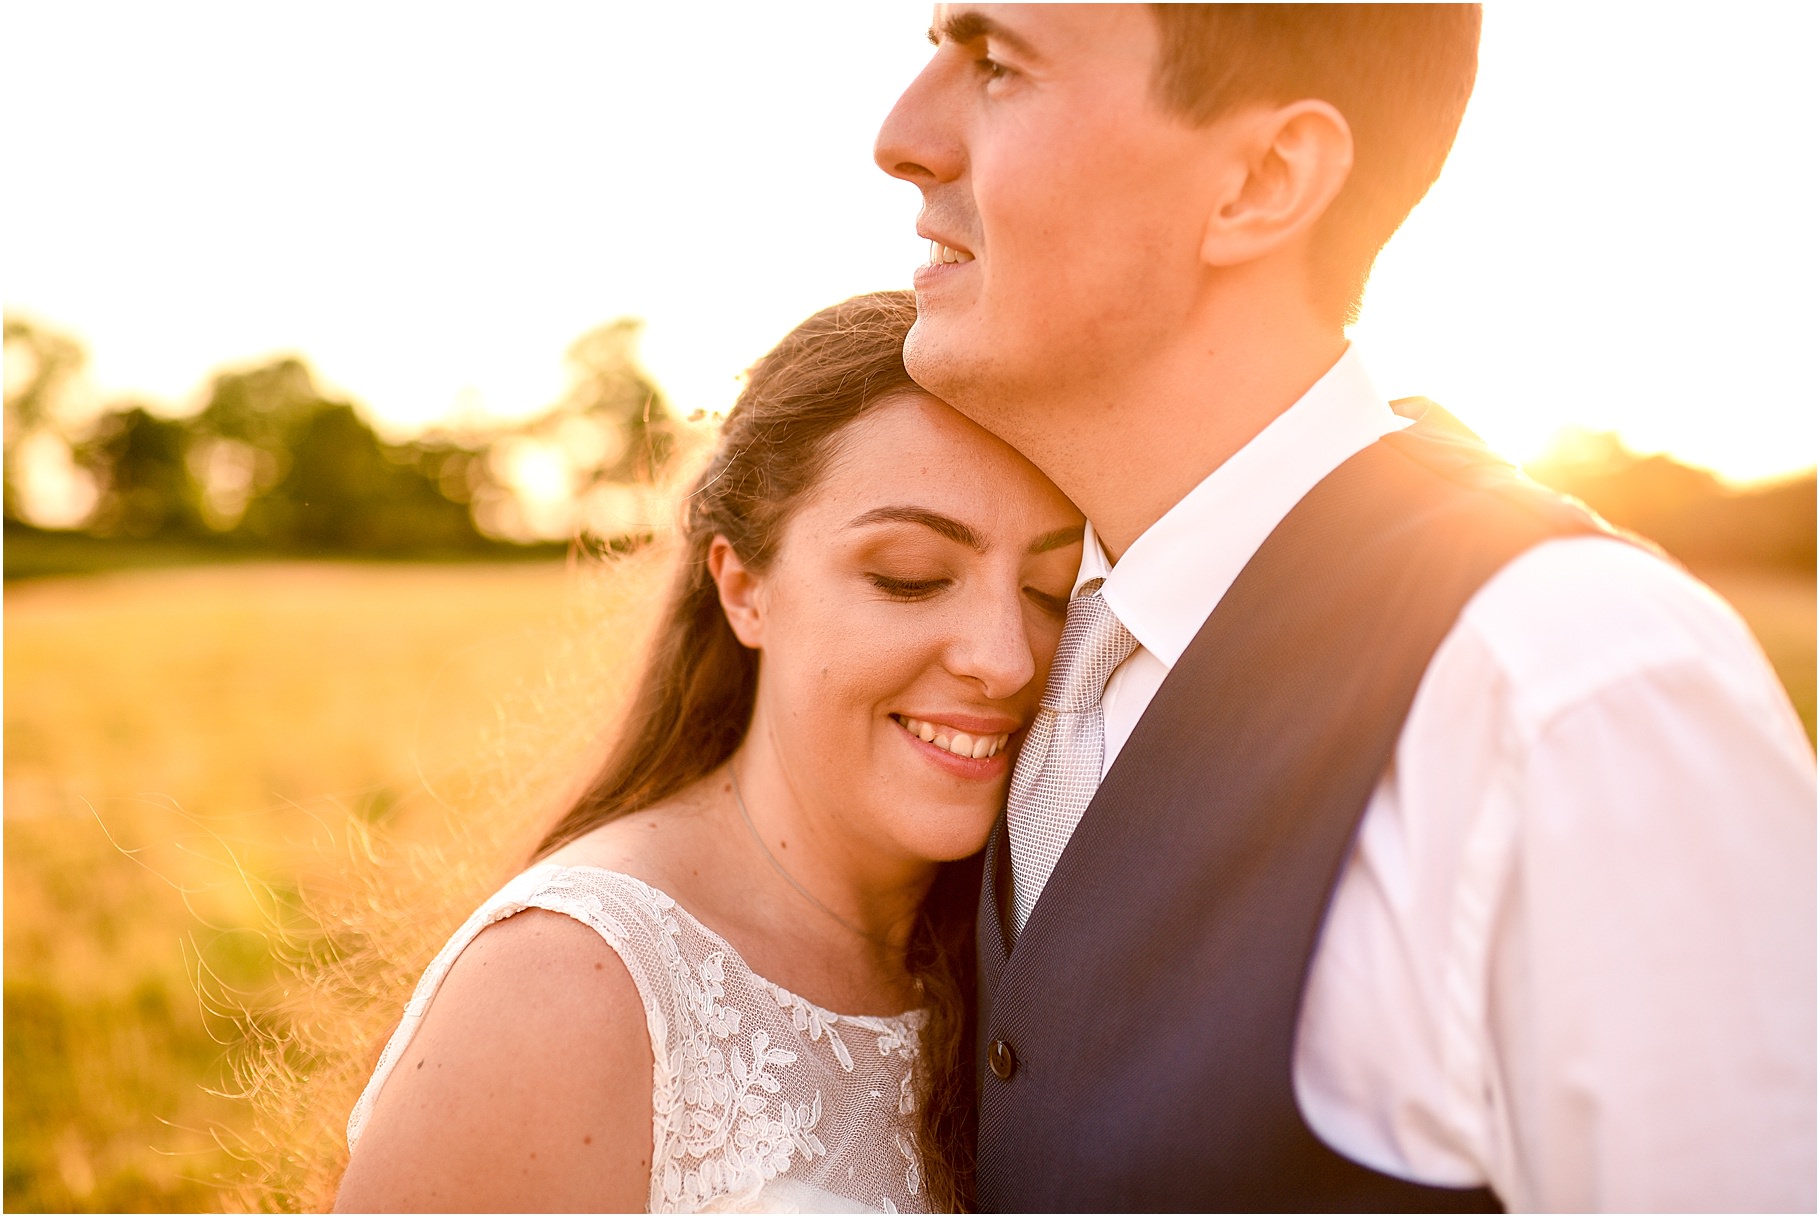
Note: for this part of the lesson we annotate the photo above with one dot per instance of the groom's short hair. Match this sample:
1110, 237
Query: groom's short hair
1400, 73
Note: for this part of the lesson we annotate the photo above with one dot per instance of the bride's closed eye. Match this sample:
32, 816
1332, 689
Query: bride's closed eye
1050, 603
907, 589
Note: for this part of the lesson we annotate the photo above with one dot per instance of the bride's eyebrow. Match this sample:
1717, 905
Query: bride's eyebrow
1072, 535
947, 526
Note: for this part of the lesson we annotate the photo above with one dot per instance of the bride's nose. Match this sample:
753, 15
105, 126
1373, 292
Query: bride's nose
994, 648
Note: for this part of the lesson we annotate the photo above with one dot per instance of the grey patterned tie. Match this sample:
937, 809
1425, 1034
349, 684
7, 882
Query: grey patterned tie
1059, 767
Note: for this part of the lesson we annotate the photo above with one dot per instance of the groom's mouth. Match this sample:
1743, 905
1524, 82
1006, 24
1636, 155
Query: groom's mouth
946, 255
945, 260
953, 739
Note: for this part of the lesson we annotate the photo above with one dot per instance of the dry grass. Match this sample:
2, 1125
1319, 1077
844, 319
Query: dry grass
196, 763
1780, 609
201, 766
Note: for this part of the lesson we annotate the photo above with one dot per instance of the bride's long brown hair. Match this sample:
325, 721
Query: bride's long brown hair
693, 702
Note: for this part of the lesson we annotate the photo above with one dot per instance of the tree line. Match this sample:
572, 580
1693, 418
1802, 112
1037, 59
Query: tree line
1687, 511
271, 463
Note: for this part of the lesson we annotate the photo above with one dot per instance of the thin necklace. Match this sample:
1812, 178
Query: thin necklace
805, 893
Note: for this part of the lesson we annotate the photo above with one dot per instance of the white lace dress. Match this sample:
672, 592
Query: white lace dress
760, 1100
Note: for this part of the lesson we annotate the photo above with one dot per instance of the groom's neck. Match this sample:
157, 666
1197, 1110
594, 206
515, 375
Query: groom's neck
1128, 447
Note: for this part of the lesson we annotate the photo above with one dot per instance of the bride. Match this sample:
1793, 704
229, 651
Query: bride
738, 974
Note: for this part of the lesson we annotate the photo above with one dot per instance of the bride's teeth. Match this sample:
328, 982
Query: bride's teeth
960, 743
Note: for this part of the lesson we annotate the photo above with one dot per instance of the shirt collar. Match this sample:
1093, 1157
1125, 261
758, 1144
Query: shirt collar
1175, 573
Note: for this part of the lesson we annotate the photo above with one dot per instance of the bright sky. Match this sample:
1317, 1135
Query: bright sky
430, 202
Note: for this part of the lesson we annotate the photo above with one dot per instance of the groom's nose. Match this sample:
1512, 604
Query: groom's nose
919, 140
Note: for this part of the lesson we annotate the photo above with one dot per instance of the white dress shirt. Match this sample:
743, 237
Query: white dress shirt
1572, 954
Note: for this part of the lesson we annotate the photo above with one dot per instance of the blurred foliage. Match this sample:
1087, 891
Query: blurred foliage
138, 460
1687, 511
591, 463
39, 364
612, 395
270, 464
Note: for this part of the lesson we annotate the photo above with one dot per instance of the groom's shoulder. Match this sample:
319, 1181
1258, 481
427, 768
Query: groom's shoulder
1573, 617
1473, 490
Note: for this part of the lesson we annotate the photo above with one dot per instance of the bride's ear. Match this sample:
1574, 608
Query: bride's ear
739, 592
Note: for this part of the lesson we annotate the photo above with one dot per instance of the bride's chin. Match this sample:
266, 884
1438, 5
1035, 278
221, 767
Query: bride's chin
958, 844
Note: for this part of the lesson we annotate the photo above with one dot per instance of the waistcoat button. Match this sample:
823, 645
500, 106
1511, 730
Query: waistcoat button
1002, 1060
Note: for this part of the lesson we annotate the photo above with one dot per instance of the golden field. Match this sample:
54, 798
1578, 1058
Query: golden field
204, 765
275, 789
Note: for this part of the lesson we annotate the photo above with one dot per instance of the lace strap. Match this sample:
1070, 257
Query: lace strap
629, 916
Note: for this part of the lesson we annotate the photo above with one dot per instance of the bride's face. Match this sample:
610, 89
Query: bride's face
905, 628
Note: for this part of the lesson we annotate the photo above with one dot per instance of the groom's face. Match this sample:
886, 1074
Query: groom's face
1065, 205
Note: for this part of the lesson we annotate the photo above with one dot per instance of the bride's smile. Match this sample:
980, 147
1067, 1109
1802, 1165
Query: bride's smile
981, 744
904, 629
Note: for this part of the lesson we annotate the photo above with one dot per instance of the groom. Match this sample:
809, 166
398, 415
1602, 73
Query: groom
1429, 846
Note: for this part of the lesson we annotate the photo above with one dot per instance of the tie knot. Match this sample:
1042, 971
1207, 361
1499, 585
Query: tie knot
1094, 642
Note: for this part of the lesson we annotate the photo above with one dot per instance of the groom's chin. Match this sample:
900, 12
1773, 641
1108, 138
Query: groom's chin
940, 364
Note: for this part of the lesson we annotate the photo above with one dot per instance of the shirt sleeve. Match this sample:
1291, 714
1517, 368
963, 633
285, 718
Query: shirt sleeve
1650, 960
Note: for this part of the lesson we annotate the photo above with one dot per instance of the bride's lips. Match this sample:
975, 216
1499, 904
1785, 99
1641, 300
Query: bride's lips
964, 745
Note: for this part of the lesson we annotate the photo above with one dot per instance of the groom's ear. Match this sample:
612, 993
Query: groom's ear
1285, 166
740, 597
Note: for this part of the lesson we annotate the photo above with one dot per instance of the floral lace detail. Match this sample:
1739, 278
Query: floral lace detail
895, 1036
745, 1073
